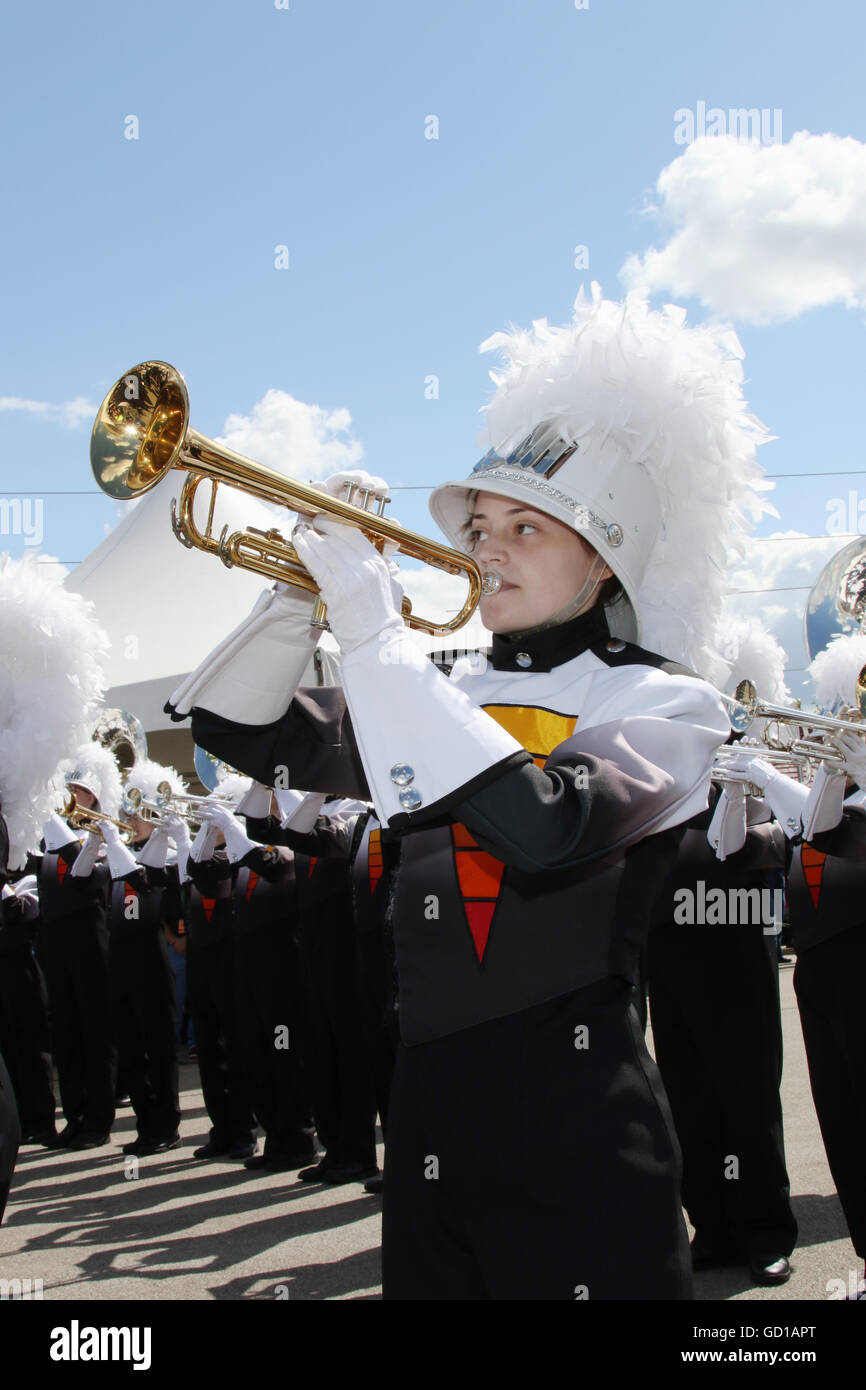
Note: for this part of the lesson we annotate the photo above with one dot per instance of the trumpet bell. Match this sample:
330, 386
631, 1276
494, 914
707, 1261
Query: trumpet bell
140, 430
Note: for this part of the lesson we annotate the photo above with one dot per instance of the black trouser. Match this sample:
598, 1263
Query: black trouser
377, 1009
341, 1082
73, 953
270, 1022
145, 1016
224, 1084
10, 1135
829, 982
25, 1038
520, 1166
714, 1001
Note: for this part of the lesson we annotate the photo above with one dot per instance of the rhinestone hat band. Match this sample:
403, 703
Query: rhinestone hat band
583, 516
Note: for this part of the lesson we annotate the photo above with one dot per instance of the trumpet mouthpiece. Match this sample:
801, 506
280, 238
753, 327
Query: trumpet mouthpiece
491, 582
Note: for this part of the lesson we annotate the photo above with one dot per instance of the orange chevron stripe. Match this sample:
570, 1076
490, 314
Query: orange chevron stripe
813, 870
479, 874
374, 859
480, 878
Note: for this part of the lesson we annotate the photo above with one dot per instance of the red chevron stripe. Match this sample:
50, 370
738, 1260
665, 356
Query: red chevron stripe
253, 880
813, 870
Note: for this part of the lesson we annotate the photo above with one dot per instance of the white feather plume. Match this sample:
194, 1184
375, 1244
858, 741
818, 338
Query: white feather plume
671, 398
751, 652
233, 787
834, 671
51, 680
146, 775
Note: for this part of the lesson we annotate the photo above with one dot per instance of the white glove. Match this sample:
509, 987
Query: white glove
121, 860
178, 832
728, 827
355, 581
256, 802
204, 844
154, 854
299, 811
853, 749
238, 843
823, 810
253, 674
86, 860
785, 797
56, 834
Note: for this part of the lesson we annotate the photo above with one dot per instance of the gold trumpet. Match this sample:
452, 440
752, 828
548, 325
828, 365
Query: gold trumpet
80, 818
142, 430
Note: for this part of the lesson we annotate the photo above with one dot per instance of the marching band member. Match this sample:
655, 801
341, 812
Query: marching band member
828, 923
144, 900
268, 985
716, 1017
209, 913
539, 802
73, 950
51, 680
337, 1053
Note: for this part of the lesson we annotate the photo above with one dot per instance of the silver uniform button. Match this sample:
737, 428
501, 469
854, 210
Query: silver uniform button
523, 659
402, 774
410, 800
614, 645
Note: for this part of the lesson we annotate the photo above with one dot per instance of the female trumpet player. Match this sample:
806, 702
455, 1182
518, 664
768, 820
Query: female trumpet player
530, 1147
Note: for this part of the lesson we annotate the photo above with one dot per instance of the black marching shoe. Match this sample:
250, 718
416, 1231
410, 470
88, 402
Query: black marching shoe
374, 1185
214, 1148
87, 1139
316, 1173
242, 1149
338, 1173
142, 1147
769, 1269
47, 1138
278, 1163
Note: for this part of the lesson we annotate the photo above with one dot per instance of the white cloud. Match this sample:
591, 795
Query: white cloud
302, 441
72, 414
761, 232
782, 569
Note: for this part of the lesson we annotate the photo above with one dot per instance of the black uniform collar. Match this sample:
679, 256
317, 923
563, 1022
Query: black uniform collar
552, 646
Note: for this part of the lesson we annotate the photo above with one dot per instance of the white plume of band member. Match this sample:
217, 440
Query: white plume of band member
51, 682
624, 379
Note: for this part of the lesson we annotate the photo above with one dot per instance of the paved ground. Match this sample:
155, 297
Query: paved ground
91, 1226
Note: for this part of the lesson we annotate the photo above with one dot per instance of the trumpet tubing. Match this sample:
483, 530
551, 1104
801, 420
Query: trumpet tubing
142, 431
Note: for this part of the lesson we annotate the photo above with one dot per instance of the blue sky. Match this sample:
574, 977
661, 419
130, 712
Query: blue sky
305, 127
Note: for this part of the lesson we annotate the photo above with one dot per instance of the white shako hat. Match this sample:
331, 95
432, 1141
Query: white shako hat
96, 770
632, 428
834, 672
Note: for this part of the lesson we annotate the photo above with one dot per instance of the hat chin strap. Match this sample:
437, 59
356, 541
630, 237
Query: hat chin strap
579, 604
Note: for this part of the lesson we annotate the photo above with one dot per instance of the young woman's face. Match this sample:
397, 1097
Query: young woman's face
543, 563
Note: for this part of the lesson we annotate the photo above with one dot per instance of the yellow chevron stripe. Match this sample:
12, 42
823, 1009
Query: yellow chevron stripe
539, 730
